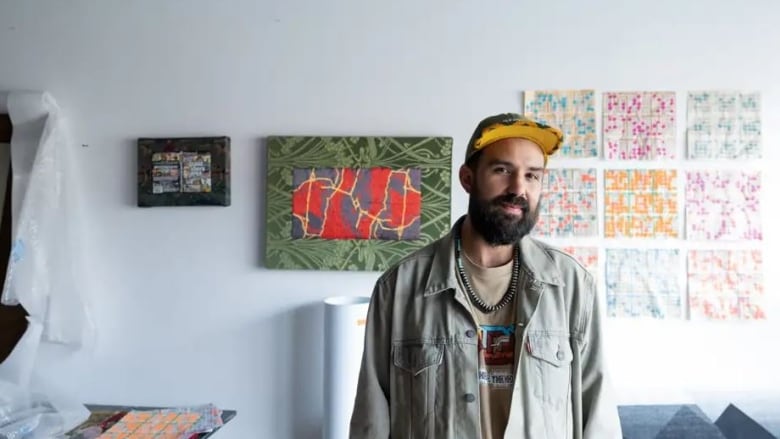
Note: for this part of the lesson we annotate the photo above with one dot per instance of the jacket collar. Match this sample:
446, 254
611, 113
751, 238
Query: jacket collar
536, 262
443, 275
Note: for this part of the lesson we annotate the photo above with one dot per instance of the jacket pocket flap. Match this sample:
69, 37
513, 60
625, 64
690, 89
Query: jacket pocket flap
414, 357
552, 349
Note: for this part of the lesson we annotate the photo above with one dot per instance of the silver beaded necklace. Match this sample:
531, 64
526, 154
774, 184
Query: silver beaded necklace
475, 299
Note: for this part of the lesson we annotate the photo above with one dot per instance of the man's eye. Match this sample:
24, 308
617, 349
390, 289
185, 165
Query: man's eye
500, 170
534, 177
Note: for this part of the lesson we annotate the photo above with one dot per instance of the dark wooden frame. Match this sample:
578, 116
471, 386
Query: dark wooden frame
5, 128
217, 147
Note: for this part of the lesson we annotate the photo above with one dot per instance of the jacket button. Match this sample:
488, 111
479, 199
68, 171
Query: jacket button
470, 333
559, 355
469, 397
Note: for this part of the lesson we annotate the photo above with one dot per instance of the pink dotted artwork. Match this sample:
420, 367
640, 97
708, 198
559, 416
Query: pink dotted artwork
726, 285
723, 205
639, 125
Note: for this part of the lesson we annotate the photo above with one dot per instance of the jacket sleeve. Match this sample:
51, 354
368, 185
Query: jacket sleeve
371, 412
599, 407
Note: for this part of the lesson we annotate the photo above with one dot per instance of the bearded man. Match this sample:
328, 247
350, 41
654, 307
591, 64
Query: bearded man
488, 332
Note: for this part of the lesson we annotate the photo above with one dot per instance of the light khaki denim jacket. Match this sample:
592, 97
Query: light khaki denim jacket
419, 372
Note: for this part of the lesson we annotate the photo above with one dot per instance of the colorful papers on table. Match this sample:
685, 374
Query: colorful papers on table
174, 423
146, 424
165, 423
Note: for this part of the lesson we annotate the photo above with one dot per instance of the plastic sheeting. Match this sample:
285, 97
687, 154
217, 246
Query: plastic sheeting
45, 269
33, 409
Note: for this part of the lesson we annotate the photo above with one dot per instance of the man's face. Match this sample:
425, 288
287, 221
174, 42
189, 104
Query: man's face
505, 190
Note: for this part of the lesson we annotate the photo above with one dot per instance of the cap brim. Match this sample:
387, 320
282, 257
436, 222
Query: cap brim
548, 138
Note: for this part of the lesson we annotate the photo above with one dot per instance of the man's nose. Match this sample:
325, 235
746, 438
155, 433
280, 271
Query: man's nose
518, 186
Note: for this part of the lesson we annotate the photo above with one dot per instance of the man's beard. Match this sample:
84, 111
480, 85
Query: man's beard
496, 226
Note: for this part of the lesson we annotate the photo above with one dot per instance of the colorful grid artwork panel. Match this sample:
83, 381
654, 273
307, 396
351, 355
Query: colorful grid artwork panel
726, 285
569, 204
723, 205
152, 425
574, 112
639, 125
587, 256
643, 283
353, 203
724, 125
640, 203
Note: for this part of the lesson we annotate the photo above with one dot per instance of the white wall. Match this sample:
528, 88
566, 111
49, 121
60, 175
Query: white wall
185, 311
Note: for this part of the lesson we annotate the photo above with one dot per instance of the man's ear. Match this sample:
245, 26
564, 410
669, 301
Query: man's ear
466, 176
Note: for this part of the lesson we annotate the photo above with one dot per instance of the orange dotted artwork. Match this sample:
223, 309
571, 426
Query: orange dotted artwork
640, 203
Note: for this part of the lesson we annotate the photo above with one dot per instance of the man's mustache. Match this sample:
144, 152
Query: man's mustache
512, 200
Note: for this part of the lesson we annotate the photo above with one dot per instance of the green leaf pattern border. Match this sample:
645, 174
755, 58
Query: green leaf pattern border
433, 155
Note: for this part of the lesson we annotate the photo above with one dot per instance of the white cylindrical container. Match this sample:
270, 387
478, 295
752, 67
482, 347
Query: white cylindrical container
345, 328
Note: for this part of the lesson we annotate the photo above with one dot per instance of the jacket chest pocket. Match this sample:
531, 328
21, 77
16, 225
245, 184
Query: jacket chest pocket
414, 386
550, 357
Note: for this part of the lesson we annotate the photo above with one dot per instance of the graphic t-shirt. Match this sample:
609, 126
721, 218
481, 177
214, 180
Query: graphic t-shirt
496, 346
